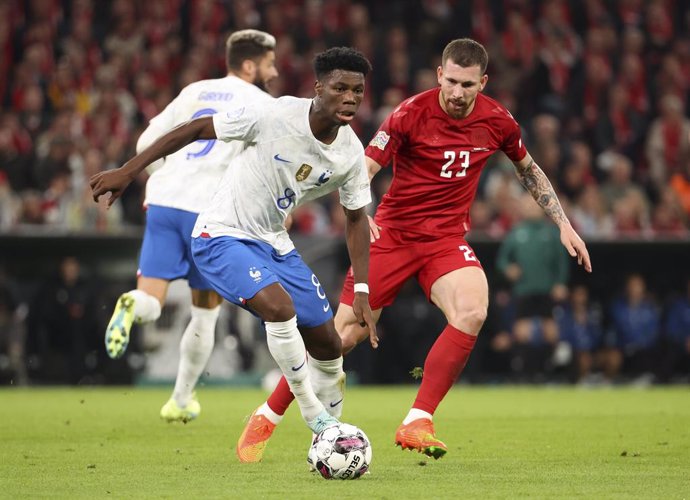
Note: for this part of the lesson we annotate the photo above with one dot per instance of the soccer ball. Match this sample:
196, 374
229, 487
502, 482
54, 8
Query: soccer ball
342, 451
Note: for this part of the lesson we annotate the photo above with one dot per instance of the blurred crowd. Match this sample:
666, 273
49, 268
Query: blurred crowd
541, 327
545, 322
599, 86
635, 337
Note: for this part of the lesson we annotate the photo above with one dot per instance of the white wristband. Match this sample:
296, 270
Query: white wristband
361, 287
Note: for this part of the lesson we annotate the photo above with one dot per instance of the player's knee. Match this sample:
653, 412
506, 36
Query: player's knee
350, 331
207, 299
479, 314
345, 326
273, 312
322, 342
349, 337
469, 318
333, 347
328, 345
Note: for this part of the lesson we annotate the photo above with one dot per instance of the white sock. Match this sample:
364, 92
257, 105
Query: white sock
416, 414
287, 348
328, 381
195, 349
146, 307
266, 411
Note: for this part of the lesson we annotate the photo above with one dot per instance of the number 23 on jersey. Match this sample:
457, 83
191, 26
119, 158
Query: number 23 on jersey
456, 164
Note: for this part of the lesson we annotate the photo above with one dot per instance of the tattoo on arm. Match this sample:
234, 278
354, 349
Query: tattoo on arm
535, 181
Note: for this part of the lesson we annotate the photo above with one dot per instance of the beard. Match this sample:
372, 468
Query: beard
260, 83
457, 110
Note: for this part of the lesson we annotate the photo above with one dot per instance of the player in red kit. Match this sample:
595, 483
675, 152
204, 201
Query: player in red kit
438, 142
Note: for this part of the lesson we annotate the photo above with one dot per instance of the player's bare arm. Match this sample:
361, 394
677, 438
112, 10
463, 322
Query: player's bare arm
535, 181
116, 181
357, 237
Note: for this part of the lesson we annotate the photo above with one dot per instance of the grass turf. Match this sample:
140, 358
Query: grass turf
503, 443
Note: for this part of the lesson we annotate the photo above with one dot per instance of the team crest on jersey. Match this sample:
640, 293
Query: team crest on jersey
303, 172
480, 137
255, 274
380, 140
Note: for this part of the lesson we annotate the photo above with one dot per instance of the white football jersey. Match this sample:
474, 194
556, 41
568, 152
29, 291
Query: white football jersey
283, 166
189, 176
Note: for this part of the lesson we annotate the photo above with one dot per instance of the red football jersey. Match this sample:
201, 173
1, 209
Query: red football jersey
437, 161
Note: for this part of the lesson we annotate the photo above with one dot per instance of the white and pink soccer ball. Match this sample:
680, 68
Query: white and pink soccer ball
340, 452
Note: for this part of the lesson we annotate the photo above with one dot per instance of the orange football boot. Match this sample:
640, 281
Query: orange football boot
419, 435
254, 438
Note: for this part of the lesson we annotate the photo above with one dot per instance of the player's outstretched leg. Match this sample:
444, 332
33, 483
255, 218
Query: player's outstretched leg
419, 435
135, 305
445, 361
173, 412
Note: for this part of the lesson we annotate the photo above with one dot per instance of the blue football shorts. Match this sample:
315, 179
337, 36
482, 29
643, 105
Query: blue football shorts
238, 269
166, 250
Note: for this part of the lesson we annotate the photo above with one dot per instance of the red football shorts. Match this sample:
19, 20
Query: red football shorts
397, 256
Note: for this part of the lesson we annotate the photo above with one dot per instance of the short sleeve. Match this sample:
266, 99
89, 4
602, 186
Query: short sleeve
512, 143
165, 120
239, 124
355, 192
387, 140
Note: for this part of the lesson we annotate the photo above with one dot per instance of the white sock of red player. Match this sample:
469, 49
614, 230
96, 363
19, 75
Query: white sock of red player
272, 416
416, 414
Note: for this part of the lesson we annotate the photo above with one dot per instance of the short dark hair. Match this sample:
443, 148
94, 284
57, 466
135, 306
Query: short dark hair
466, 52
345, 58
247, 44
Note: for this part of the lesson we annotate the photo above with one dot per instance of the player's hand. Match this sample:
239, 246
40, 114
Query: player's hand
112, 181
374, 230
365, 318
575, 246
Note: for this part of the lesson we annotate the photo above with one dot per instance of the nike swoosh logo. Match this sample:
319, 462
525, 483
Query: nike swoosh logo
333, 405
277, 157
326, 307
300, 366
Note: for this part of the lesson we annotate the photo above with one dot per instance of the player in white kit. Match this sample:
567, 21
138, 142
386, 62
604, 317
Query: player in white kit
175, 194
298, 150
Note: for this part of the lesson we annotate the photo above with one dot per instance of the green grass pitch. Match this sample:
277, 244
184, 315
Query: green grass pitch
504, 442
